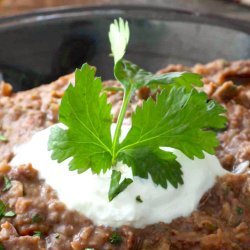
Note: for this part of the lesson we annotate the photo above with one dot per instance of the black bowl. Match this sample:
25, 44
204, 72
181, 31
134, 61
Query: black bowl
39, 47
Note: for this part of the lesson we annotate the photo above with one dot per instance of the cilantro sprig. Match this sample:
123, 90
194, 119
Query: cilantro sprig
181, 117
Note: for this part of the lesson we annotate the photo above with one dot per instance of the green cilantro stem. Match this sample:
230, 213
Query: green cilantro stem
127, 97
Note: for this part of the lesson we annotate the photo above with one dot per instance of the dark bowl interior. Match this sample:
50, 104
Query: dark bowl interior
39, 47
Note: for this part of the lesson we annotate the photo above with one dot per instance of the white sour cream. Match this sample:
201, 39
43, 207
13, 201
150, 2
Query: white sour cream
88, 193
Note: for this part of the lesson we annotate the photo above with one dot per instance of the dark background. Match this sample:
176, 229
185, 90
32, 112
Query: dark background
39, 47
229, 8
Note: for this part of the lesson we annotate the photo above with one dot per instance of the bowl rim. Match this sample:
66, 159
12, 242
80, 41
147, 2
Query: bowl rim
126, 11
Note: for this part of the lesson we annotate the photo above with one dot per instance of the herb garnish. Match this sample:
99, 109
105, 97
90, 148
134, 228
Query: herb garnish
37, 218
115, 239
180, 117
3, 212
3, 138
239, 210
138, 199
38, 234
2, 208
2, 247
7, 184
10, 214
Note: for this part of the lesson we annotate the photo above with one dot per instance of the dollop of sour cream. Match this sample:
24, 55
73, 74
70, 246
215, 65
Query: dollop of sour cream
88, 193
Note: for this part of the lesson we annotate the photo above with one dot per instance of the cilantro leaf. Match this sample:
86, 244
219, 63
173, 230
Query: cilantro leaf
88, 119
161, 165
115, 186
129, 74
119, 37
181, 119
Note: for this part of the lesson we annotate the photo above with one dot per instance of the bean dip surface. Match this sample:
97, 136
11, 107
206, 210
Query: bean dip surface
221, 222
